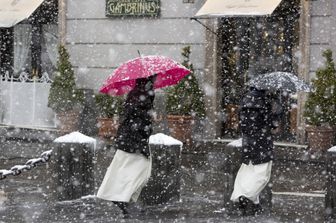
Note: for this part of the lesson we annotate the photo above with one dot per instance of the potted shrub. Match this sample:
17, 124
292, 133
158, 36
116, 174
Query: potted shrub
320, 106
109, 111
64, 98
185, 102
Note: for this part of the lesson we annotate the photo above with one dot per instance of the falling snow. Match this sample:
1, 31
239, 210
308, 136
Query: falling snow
234, 48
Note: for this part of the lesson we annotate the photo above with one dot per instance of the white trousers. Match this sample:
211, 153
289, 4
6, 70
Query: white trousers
251, 180
125, 177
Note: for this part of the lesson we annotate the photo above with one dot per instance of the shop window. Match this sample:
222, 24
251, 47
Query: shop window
31, 46
253, 46
6, 50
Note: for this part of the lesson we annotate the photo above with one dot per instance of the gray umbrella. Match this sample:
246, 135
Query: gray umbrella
279, 81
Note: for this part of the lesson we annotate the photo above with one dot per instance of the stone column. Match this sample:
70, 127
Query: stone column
330, 198
210, 85
70, 172
304, 65
62, 9
165, 181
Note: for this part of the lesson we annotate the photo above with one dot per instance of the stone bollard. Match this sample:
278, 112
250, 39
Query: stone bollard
231, 167
164, 183
71, 171
330, 198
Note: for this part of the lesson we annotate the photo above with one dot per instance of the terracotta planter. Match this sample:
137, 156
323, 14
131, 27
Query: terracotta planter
107, 127
68, 121
180, 127
320, 138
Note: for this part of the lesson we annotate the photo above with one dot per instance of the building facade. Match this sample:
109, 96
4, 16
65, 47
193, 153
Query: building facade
102, 34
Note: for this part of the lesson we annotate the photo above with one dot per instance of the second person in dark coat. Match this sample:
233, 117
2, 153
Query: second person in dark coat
257, 121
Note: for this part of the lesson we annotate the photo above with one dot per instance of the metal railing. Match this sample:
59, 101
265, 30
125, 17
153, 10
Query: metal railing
24, 101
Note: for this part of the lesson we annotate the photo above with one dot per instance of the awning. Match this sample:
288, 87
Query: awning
221, 8
14, 11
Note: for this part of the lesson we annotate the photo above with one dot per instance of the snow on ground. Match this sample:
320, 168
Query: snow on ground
236, 143
162, 139
318, 194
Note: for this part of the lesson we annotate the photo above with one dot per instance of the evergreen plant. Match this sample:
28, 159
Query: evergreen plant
63, 94
109, 106
186, 98
320, 107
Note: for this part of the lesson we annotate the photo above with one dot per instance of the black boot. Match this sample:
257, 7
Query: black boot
243, 203
123, 207
248, 208
257, 209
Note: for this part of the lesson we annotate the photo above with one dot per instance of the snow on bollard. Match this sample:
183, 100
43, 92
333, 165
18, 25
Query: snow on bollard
71, 169
165, 181
330, 198
162, 139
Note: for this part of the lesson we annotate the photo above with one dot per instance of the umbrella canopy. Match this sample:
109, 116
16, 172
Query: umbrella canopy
122, 80
283, 81
219, 8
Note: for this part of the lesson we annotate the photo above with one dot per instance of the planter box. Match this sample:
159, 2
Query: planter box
180, 127
107, 127
320, 138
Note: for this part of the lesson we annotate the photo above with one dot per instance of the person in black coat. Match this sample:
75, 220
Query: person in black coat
257, 122
136, 125
131, 166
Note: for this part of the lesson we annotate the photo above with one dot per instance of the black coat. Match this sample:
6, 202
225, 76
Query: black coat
256, 122
136, 123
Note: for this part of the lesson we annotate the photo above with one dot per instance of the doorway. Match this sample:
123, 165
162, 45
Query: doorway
254, 46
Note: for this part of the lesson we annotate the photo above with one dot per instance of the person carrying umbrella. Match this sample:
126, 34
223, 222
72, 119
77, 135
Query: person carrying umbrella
131, 166
256, 121
259, 115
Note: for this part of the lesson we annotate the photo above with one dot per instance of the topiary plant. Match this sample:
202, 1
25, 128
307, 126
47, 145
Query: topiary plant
320, 106
63, 94
186, 98
109, 106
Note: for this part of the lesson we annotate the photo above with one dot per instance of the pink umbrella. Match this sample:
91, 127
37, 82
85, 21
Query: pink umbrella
122, 80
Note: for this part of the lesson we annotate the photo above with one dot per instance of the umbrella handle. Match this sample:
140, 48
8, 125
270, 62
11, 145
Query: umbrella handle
141, 58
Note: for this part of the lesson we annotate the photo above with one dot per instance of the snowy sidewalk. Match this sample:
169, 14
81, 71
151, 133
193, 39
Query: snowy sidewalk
23, 200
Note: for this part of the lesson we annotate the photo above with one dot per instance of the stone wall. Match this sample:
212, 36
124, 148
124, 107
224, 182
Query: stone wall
98, 44
322, 32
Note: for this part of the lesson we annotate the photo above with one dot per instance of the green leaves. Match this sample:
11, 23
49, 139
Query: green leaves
64, 95
109, 106
320, 107
186, 98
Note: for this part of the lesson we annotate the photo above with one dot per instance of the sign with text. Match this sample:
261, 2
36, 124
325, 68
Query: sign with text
149, 8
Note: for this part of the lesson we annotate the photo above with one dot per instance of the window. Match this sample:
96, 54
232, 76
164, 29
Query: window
252, 46
31, 46
6, 50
